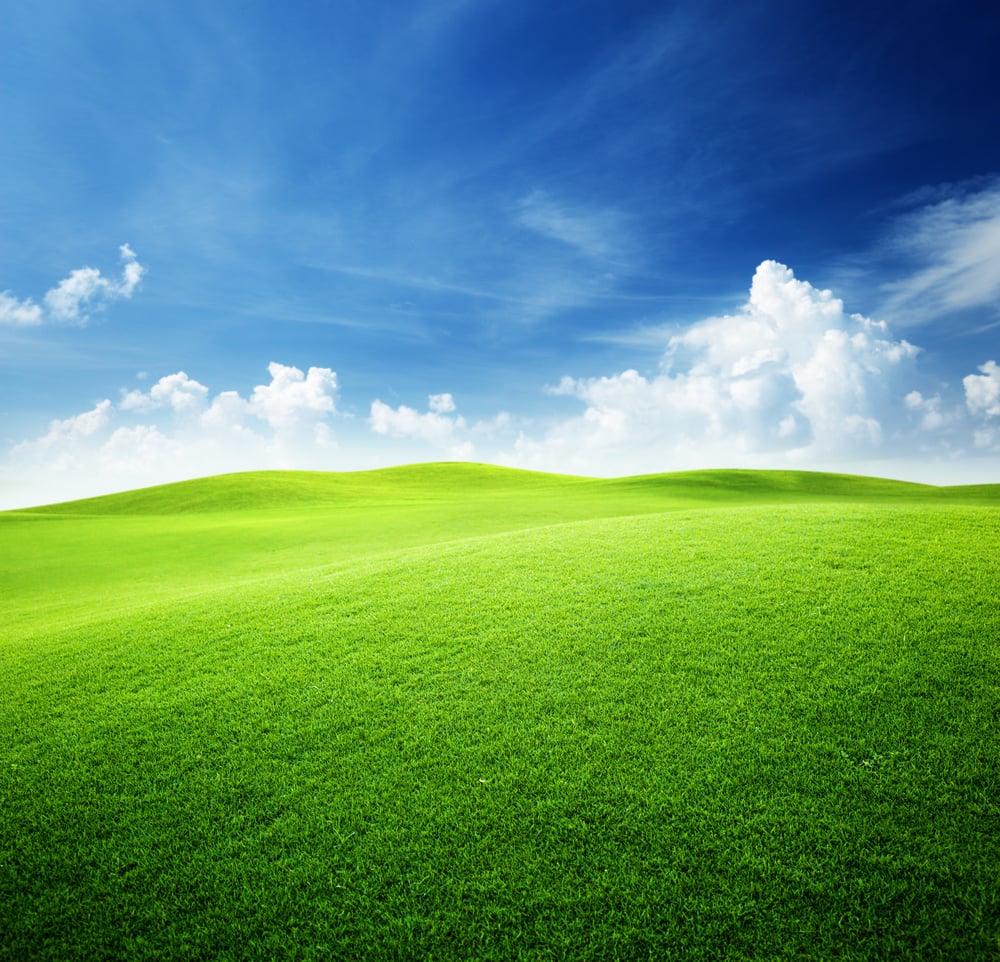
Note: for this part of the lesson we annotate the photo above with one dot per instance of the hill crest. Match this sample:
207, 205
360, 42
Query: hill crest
462, 481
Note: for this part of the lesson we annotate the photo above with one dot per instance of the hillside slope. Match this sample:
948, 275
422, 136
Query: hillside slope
450, 729
116, 553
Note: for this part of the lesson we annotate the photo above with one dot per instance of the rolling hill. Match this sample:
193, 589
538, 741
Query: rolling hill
457, 711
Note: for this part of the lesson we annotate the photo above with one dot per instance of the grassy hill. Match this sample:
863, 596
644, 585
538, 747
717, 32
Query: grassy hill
457, 711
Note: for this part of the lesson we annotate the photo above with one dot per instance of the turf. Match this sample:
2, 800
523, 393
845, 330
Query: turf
451, 711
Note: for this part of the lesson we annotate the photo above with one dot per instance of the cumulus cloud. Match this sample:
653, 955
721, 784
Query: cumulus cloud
792, 373
176, 391
435, 426
178, 429
441, 403
130, 449
293, 396
424, 435
790, 379
75, 298
982, 391
928, 410
228, 411
19, 313
73, 429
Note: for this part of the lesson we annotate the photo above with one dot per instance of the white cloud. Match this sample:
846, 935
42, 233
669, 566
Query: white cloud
176, 391
293, 396
19, 313
59, 459
441, 403
792, 375
76, 297
80, 426
82, 289
987, 439
956, 243
982, 391
228, 412
130, 449
928, 409
791, 379
436, 430
178, 429
132, 271
434, 426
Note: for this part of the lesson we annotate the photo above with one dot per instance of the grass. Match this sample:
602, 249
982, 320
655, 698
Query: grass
450, 711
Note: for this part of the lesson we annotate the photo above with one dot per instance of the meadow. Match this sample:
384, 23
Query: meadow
460, 712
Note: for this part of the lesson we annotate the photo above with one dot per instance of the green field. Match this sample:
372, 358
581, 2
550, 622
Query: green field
459, 712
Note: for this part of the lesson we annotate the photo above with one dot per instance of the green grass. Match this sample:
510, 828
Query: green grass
459, 712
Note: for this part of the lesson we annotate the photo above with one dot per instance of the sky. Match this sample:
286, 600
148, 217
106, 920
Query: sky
593, 237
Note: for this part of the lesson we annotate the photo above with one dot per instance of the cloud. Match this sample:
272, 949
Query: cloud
928, 409
441, 403
791, 379
434, 426
982, 391
19, 313
228, 412
293, 396
73, 429
75, 298
131, 449
438, 429
595, 234
791, 375
176, 391
178, 429
956, 245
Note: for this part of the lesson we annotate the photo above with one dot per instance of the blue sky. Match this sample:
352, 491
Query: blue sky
595, 237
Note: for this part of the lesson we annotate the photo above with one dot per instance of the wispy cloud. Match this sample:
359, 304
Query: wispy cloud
400, 277
954, 244
595, 234
75, 298
526, 288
